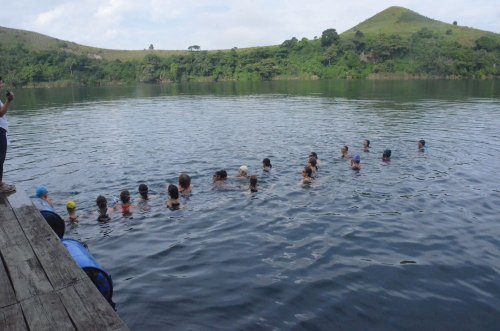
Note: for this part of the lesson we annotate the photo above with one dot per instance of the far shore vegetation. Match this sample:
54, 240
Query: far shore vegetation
394, 44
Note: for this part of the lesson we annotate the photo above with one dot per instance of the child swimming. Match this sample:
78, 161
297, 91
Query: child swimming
366, 145
307, 175
313, 164
71, 209
386, 156
143, 192
242, 172
125, 206
356, 162
345, 152
421, 145
266, 165
103, 210
185, 187
173, 197
253, 183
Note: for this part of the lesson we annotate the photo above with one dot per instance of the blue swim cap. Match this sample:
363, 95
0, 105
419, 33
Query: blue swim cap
357, 158
41, 191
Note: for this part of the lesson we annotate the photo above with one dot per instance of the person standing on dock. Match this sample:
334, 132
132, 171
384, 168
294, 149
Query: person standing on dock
4, 127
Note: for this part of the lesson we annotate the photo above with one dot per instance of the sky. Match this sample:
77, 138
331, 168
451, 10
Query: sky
219, 24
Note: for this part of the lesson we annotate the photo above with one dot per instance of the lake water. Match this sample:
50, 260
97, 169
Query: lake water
413, 244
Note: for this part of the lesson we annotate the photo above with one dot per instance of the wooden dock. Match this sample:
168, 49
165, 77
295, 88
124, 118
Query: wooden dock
41, 287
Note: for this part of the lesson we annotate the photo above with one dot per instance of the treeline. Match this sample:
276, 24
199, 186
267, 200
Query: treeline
424, 54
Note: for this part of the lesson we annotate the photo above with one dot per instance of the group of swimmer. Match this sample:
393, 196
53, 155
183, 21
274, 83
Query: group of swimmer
184, 187
312, 165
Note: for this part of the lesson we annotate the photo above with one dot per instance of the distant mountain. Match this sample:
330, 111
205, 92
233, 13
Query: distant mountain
404, 22
393, 20
397, 43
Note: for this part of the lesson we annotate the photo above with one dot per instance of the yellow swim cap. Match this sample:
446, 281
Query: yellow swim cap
71, 205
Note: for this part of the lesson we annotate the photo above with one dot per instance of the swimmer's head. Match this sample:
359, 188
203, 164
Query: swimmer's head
313, 162
307, 172
143, 191
366, 143
243, 171
253, 183
253, 180
356, 158
266, 163
101, 202
421, 143
184, 180
216, 176
313, 154
344, 149
125, 196
386, 154
41, 192
173, 191
71, 206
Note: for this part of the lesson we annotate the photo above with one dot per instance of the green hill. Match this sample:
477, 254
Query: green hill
392, 21
404, 22
36, 42
396, 43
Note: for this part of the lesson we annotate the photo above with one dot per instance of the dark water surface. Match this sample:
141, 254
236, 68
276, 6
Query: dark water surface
413, 244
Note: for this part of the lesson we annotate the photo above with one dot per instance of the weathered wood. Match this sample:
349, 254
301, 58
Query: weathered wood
46, 312
7, 295
59, 266
88, 313
26, 273
41, 287
12, 319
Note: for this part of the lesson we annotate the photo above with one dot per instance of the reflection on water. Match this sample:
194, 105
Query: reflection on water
411, 90
409, 244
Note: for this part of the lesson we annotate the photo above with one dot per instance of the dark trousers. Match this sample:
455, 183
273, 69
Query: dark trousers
3, 150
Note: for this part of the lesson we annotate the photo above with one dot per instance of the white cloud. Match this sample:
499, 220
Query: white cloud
50, 16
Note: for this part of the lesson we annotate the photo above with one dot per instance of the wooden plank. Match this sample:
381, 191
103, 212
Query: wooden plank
7, 295
26, 273
41, 287
12, 319
56, 261
46, 312
88, 309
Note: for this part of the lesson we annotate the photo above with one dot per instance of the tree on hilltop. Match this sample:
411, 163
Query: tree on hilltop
329, 37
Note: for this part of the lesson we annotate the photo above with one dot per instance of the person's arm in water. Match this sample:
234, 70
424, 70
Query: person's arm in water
6, 105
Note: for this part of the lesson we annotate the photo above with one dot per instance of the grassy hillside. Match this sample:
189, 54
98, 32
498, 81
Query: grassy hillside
404, 22
396, 43
36, 42
393, 20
